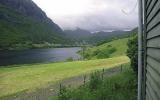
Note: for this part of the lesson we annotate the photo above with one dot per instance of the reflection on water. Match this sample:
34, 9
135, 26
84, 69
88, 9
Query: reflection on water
38, 55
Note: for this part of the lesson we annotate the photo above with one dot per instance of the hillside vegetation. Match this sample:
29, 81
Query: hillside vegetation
23, 23
110, 49
82, 36
32, 76
121, 86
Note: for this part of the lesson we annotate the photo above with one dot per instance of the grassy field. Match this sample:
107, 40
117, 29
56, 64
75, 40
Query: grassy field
107, 50
14, 79
121, 86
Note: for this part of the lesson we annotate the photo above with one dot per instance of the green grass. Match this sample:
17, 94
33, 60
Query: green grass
120, 86
106, 50
14, 79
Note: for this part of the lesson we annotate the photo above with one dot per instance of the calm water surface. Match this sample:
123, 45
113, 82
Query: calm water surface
38, 55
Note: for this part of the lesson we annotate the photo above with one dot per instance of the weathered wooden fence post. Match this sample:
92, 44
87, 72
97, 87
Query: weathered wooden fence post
60, 88
84, 79
121, 68
102, 73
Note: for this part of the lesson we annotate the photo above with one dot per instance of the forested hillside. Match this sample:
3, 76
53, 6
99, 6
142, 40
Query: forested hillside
23, 22
112, 45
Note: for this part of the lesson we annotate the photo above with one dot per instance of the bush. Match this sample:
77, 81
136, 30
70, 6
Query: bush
87, 55
132, 52
63, 93
112, 50
95, 52
106, 53
121, 86
102, 55
70, 59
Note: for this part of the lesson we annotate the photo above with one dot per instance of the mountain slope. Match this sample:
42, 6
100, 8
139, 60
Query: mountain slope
99, 37
23, 22
78, 36
81, 35
109, 49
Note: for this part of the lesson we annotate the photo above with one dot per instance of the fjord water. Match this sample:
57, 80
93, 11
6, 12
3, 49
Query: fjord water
38, 55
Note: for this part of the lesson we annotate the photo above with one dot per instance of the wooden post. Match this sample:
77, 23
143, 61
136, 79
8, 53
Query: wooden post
60, 88
102, 73
84, 79
121, 68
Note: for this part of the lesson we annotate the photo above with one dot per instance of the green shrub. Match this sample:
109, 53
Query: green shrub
70, 59
117, 87
63, 93
132, 52
86, 55
111, 50
106, 53
96, 52
103, 55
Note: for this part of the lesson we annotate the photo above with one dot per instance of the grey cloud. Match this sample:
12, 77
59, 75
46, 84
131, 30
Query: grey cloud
107, 19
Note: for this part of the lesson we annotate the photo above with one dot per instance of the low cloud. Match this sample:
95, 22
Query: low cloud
94, 15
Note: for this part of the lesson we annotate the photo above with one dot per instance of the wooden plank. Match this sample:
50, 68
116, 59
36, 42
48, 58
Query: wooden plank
154, 12
154, 42
154, 32
153, 50
151, 91
148, 95
148, 89
150, 7
154, 53
154, 21
150, 85
148, 2
155, 64
155, 79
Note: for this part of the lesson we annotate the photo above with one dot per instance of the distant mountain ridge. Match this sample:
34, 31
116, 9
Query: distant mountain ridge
22, 21
80, 35
77, 33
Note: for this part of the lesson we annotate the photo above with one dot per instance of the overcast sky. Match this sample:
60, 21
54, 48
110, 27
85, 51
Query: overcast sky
93, 15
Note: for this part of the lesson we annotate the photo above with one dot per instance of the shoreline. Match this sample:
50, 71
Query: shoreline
43, 47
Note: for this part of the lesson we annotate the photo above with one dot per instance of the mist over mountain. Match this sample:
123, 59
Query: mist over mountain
22, 21
92, 15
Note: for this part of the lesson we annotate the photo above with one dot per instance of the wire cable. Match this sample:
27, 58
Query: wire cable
132, 10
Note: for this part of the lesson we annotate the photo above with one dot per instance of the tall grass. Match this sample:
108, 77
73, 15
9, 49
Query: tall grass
117, 87
32, 76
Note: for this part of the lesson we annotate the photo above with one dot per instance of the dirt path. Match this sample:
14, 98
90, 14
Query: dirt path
52, 90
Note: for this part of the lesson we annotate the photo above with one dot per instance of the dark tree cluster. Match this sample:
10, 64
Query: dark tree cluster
132, 52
